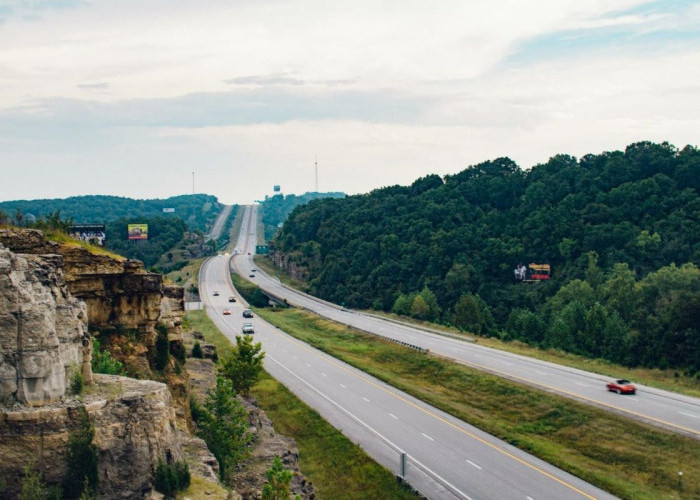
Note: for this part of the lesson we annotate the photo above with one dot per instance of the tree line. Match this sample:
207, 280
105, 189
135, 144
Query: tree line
618, 228
198, 211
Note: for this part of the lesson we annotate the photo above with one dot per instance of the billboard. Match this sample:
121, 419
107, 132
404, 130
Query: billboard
276, 188
138, 231
91, 233
168, 210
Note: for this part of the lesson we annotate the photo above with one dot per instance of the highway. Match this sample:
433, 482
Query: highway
662, 408
445, 458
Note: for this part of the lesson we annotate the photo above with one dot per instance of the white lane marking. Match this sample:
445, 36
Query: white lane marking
393, 416
307, 364
424, 434
343, 386
324, 374
431, 472
365, 399
581, 384
474, 464
541, 372
529, 498
689, 414
507, 363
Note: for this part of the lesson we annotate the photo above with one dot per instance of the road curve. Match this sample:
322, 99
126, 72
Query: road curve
661, 408
446, 458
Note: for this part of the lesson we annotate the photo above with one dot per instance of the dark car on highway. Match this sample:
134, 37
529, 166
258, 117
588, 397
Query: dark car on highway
247, 313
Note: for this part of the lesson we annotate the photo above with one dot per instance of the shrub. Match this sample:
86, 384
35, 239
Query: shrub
82, 460
197, 351
162, 356
102, 361
169, 479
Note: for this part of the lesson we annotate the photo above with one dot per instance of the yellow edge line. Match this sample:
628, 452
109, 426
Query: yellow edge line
438, 417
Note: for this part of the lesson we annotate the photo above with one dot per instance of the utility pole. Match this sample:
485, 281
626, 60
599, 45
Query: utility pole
192, 182
316, 171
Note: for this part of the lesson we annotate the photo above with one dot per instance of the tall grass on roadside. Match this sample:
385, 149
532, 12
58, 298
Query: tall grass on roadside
617, 454
338, 468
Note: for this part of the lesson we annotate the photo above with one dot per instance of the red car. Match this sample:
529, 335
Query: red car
622, 386
227, 312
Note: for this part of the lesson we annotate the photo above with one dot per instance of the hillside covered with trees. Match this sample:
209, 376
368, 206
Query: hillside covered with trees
619, 229
275, 209
196, 210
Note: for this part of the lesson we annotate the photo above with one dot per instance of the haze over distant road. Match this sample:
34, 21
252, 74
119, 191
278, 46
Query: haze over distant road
219, 224
663, 408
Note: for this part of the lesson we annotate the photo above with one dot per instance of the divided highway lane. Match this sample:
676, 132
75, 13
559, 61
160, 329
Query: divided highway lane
666, 409
446, 457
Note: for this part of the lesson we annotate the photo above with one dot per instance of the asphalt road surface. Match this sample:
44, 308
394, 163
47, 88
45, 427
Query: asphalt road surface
445, 458
662, 408
219, 223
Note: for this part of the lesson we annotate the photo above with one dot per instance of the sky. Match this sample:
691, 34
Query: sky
156, 98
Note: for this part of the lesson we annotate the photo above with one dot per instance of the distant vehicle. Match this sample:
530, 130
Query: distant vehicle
251, 275
232, 299
248, 328
227, 312
622, 386
216, 294
253, 269
247, 313
248, 253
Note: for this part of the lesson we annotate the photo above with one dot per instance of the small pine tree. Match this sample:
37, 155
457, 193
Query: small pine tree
82, 459
197, 351
162, 357
278, 481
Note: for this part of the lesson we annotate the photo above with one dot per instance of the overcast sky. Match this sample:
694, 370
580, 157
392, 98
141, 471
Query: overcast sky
130, 97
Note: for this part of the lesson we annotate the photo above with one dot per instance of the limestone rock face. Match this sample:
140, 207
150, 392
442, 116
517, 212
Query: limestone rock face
43, 330
117, 292
134, 425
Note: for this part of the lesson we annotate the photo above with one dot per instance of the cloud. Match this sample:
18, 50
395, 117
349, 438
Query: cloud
93, 86
214, 109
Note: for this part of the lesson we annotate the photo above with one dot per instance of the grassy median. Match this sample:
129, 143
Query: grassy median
619, 455
338, 468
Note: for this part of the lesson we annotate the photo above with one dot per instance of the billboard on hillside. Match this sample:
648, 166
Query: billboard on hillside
276, 188
91, 233
138, 231
168, 210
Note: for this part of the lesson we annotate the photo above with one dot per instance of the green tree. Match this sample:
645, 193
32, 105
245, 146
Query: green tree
244, 364
197, 350
222, 423
431, 300
467, 314
403, 304
162, 349
278, 482
102, 361
419, 308
82, 459
32, 485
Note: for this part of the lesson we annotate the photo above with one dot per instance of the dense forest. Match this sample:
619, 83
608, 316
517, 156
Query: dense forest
620, 230
198, 211
275, 209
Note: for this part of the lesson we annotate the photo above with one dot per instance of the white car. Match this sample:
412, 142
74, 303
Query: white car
248, 328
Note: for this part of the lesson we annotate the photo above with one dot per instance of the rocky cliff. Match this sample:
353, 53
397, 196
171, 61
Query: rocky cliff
43, 330
119, 294
44, 342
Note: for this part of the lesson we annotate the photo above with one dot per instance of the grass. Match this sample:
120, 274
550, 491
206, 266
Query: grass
338, 468
263, 262
619, 455
188, 274
670, 380
63, 238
